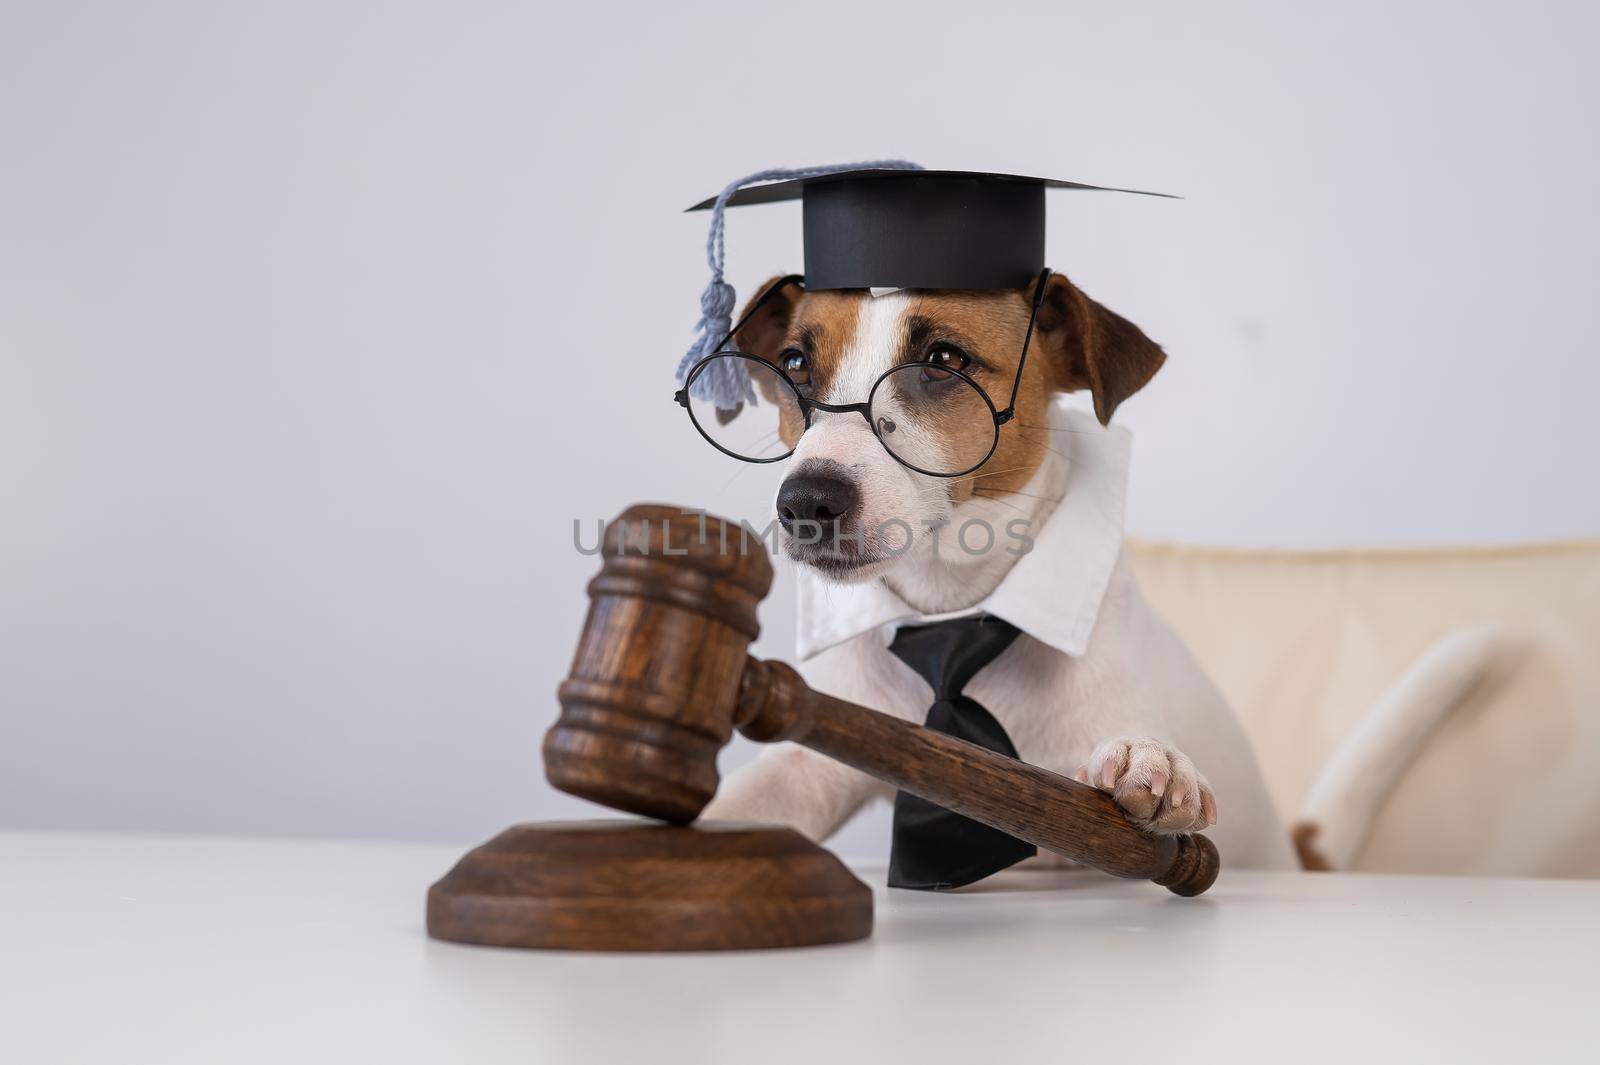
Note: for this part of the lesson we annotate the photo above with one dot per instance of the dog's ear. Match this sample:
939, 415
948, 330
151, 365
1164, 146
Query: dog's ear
1094, 348
764, 334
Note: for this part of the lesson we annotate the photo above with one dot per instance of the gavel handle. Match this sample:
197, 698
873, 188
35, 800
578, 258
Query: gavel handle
1032, 804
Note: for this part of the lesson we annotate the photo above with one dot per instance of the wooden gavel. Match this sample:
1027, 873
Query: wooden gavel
662, 677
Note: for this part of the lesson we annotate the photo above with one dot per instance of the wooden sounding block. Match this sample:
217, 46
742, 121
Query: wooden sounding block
635, 885
660, 680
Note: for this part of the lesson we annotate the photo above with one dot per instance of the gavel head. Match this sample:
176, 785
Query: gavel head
655, 681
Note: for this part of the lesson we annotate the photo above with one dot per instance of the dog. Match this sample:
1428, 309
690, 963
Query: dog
1097, 687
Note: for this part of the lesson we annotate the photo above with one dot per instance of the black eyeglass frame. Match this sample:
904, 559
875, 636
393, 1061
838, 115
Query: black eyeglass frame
1001, 417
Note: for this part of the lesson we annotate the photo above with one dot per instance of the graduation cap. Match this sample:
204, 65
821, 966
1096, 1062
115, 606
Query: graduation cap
886, 224
876, 227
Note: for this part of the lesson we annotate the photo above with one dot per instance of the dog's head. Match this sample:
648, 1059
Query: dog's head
873, 513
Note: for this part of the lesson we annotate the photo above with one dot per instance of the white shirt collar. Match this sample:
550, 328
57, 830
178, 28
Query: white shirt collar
1052, 593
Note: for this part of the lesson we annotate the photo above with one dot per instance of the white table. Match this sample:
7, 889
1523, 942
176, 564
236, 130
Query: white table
219, 950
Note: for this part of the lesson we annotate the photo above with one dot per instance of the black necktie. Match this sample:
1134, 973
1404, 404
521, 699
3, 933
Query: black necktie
932, 848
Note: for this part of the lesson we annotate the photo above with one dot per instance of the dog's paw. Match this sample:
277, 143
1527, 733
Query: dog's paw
1156, 784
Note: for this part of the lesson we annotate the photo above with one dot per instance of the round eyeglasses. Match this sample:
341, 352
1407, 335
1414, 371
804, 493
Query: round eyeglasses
934, 420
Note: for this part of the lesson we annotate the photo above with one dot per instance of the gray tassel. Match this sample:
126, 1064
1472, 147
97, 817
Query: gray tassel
727, 383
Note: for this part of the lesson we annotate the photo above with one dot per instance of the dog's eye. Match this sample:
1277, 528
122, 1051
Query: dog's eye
794, 364
942, 357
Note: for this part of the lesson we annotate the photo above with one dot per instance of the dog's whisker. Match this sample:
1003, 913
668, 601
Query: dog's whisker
1047, 447
1002, 502
996, 473
1054, 429
1029, 495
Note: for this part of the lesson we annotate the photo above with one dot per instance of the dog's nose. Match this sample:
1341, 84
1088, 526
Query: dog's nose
816, 497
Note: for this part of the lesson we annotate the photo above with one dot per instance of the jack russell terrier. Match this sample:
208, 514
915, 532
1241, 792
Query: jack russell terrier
1096, 686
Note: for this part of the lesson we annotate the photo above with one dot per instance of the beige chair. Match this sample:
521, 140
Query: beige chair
1303, 643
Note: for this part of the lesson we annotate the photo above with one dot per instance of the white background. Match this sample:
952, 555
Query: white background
321, 323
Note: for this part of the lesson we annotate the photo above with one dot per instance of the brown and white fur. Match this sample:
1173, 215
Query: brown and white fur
1134, 715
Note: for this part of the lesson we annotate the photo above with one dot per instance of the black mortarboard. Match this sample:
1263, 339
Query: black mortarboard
883, 228
883, 224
